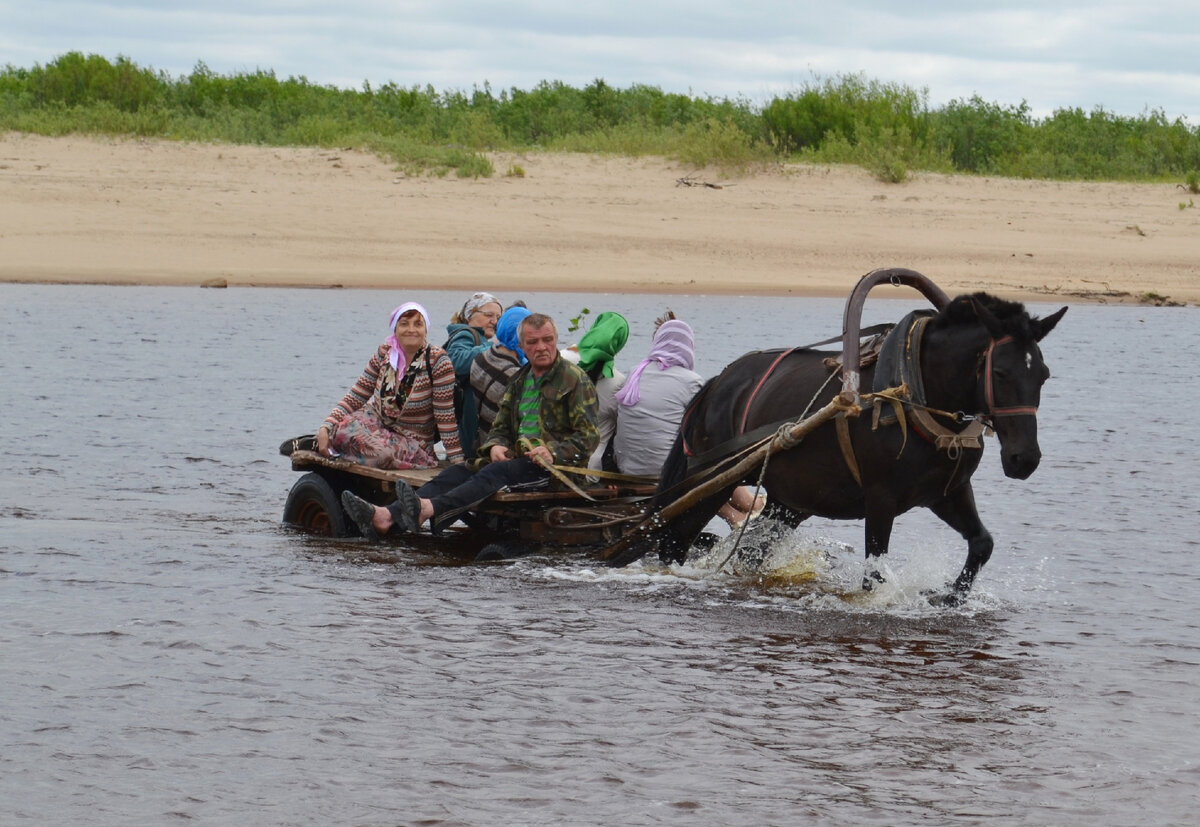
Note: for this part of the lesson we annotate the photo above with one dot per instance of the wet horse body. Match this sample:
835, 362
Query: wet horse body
978, 356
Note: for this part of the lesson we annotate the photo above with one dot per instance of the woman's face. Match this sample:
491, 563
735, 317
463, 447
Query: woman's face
410, 331
486, 317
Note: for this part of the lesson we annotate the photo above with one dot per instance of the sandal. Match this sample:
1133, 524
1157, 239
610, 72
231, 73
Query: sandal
362, 513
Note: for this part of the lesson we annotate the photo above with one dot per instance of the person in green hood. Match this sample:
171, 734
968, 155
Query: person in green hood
598, 351
599, 347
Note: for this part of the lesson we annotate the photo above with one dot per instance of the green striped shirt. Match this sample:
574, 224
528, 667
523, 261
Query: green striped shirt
527, 408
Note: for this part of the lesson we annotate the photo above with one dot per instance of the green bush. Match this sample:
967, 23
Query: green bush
886, 128
977, 135
721, 144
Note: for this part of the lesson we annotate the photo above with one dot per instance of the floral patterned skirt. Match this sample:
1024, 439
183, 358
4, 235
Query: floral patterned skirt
363, 438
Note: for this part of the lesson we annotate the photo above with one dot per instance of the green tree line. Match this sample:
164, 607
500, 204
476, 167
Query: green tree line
886, 128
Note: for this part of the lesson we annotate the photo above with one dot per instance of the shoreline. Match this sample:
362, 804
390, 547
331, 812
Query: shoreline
816, 292
79, 210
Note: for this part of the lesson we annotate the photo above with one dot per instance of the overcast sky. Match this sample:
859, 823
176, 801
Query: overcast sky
1126, 57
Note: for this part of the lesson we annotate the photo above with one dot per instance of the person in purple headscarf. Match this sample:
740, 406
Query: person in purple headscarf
401, 404
650, 405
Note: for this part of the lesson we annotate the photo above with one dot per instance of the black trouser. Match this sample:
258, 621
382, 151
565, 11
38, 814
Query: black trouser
458, 488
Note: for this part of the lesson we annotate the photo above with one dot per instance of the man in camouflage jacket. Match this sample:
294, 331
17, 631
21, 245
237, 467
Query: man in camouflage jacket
567, 410
547, 416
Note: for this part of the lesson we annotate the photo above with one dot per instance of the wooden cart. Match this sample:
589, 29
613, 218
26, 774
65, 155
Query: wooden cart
532, 520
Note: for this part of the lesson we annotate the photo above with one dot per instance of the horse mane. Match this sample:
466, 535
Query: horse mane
1012, 315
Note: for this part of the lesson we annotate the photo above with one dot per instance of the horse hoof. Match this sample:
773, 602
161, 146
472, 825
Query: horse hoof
870, 579
946, 599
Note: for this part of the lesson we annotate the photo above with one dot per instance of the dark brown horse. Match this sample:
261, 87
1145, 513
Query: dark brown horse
976, 360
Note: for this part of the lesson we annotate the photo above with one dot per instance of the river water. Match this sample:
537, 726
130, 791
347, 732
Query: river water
172, 654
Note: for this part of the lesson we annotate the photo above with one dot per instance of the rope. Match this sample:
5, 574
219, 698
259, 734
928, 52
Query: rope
634, 479
785, 442
746, 522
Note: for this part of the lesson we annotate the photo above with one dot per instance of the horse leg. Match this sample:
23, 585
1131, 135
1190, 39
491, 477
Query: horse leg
880, 515
779, 512
677, 537
959, 512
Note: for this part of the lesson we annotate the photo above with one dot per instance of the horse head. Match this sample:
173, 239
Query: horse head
996, 341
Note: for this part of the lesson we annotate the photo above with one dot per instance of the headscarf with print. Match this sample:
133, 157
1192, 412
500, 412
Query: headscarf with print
396, 357
508, 330
673, 346
477, 301
600, 345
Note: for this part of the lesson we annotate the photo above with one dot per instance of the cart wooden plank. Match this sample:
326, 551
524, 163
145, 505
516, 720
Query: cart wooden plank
417, 477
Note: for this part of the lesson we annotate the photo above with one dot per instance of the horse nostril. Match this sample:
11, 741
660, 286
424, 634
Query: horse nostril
1020, 464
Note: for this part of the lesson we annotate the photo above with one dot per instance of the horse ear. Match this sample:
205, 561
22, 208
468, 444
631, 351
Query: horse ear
995, 329
1044, 326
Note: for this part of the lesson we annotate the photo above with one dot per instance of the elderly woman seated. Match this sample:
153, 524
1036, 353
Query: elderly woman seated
400, 405
469, 334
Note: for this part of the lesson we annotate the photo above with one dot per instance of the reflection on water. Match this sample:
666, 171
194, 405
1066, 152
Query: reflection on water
171, 652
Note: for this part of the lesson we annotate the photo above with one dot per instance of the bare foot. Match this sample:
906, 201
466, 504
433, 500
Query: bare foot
426, 512
382, 521
731, 515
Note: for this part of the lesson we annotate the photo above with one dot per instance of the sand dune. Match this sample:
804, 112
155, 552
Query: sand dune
77, 209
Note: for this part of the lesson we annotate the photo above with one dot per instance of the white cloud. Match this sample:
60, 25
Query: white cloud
1125, 58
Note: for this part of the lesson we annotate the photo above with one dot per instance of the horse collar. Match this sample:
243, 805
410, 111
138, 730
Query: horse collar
922, 421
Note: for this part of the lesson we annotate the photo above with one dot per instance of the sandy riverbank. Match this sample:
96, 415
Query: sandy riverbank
152, 212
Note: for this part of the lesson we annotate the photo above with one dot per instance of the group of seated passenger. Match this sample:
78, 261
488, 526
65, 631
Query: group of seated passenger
523, 404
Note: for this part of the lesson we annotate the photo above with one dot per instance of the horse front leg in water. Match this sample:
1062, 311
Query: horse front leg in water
958, 511
880, 515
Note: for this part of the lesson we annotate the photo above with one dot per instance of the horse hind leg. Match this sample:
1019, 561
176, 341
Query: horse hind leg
676, 538
781, 513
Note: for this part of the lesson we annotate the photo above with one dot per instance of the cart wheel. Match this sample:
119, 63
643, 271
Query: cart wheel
498, 552
313, 505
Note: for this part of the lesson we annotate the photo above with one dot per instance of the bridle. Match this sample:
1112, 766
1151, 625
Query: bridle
988, 392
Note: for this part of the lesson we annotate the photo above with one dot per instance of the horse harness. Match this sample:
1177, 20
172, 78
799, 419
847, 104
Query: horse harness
909, 395
747, 439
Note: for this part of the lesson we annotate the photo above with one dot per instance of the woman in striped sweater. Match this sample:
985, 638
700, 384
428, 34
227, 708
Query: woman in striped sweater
401, 405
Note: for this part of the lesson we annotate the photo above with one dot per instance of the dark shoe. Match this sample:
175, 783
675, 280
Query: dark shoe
362, 513
300, 443
409, 506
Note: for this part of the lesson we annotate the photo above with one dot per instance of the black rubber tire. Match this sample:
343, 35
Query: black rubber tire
316, 507
498, 552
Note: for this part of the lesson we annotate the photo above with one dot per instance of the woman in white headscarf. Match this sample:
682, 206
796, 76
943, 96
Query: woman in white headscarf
469, 333
401, 404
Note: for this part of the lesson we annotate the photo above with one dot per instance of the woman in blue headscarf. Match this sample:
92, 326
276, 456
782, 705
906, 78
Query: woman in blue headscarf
491, 369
